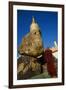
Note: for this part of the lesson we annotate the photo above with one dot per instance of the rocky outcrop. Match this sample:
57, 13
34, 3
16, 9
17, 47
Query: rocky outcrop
27, 67
41, 67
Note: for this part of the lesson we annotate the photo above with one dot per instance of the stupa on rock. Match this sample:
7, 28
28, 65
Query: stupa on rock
32, 42
35, 61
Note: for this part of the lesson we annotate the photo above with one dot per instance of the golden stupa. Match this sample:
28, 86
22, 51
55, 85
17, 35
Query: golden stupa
32, 42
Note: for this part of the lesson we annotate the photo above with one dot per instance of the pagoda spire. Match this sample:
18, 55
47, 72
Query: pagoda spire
33, 19
55, 44
34, 26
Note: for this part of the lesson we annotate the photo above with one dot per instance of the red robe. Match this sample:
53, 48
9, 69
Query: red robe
50, 62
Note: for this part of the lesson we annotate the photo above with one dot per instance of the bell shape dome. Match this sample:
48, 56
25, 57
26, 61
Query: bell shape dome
34, 26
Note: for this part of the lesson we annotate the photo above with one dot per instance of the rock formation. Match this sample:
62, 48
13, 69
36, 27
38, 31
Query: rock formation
27, 67
32, 42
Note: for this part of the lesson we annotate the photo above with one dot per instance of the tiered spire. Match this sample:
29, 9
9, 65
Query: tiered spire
33, 20
34, 25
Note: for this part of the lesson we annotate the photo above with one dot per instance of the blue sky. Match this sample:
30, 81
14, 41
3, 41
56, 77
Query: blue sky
47, 21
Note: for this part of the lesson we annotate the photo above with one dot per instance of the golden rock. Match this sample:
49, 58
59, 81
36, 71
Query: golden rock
32, 42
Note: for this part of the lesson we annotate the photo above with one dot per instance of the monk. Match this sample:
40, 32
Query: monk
50, 62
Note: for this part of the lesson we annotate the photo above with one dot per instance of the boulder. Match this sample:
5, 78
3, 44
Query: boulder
32, 42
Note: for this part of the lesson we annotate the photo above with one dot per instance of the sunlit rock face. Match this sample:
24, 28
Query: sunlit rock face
27, 67
32, 42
